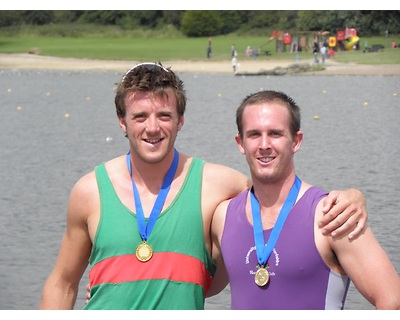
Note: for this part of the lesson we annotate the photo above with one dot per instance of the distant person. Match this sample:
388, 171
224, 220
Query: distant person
323, 53
209, 52
273, 250
255, 54
209, 49
248, 51
233, 51
316, 51
234, 64
142, 220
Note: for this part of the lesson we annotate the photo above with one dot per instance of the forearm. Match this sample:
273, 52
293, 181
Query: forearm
56, 297
217, 286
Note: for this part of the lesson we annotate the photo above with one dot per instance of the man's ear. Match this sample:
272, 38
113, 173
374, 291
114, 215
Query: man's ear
298, 139
239, 143
181, 122
122, 124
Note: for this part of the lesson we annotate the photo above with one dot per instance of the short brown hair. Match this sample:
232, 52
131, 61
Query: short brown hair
150, 77
270, 96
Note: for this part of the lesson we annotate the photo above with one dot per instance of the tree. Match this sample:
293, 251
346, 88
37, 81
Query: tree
173, 17
230, 21
201, 23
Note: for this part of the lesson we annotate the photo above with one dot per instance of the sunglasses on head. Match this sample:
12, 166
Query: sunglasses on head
149, 65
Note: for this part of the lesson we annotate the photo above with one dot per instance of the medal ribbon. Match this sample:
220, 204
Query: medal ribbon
144, 230
264, 252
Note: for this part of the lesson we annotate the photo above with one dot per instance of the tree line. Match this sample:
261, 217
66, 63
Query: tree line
205, 23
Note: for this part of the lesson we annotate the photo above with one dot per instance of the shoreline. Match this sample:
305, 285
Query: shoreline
37, 62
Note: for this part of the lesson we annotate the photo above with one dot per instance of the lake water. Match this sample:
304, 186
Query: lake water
56, 126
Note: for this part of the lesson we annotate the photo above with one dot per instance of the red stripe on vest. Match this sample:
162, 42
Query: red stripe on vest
163, 265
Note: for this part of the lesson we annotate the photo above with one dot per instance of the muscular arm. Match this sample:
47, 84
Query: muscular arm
369, 268
220, 183
220, 280
61, 287
345, 213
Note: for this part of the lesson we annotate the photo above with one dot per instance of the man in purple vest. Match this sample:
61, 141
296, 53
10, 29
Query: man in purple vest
274, 252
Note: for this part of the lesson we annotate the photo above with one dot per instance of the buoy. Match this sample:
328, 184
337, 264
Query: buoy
19, 108
48, 94
316, 118
66, 115
394, 94
219, 94
365, 103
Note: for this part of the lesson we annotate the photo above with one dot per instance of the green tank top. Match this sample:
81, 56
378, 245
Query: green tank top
180, 271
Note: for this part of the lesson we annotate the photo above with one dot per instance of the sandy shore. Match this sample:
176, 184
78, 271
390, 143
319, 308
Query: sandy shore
36, 62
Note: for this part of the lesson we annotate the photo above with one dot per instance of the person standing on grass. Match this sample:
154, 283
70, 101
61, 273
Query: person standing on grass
316, 51
323, 53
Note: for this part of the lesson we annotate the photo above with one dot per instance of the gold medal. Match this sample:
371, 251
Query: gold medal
262, 276
144, 252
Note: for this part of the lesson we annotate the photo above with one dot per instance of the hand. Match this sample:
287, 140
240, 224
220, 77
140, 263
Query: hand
344, 211
87, 293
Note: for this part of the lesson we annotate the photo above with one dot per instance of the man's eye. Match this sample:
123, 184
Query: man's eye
165, 117
253, 134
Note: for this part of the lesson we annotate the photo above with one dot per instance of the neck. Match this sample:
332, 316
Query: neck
271, 197
151, 174
272, 194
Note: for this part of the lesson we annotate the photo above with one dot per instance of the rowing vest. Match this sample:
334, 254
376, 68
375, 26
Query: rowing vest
299, 278
181, 269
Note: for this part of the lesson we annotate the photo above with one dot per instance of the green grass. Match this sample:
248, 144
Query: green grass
178, 48
387, 56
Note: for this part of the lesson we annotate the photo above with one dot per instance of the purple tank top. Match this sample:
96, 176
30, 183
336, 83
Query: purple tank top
299, 278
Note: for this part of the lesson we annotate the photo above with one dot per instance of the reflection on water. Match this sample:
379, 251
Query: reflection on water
56, 126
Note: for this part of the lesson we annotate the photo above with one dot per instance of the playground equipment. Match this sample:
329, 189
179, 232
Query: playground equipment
279, 36
344, 40
352, 41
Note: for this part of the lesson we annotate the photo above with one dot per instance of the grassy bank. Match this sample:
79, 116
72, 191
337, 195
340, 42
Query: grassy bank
180, 48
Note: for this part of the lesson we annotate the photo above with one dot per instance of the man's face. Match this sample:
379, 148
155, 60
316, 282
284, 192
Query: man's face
151, 124
267, 142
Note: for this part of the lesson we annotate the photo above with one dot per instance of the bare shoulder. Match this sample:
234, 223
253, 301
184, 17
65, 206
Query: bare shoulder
225, 176
220, 183
84, 199
114, 167
223, 182
85, 186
